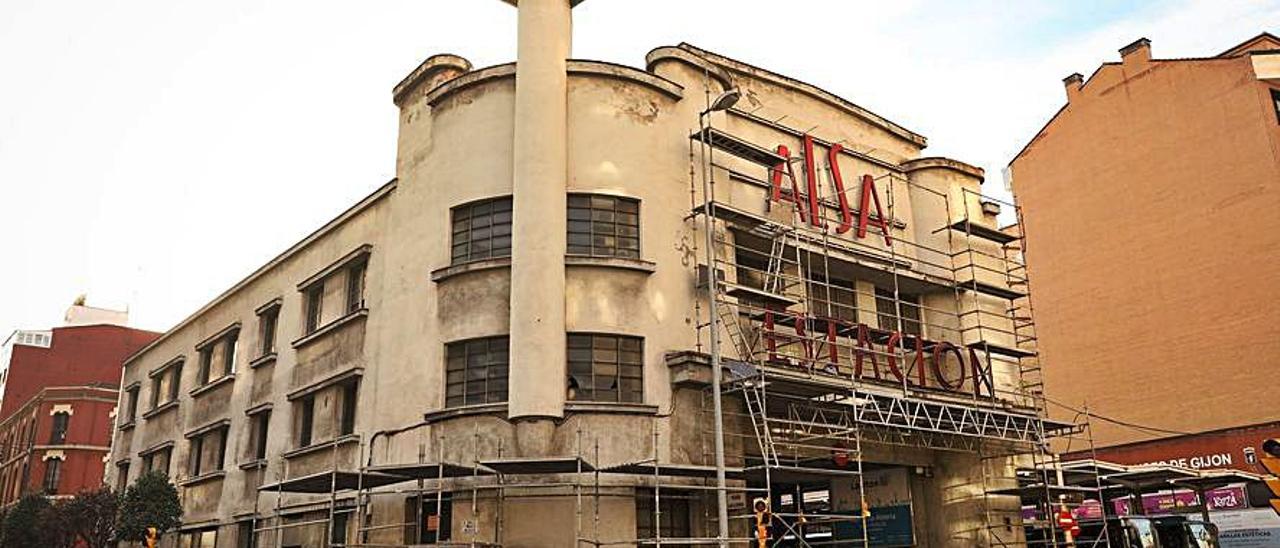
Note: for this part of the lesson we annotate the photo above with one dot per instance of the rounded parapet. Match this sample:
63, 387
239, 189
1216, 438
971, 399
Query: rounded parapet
939, 162
433, 72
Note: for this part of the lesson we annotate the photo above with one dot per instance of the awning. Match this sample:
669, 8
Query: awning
672, 470
552, 465
324, 482
430, 470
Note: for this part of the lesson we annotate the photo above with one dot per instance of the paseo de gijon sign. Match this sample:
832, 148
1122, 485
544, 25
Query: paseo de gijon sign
928, 365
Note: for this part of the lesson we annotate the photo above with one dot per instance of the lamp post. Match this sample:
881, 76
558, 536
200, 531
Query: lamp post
723, 102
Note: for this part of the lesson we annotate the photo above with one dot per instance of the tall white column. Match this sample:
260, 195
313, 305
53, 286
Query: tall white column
538, 369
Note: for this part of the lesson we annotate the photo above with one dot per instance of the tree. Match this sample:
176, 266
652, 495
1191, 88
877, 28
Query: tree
22, 526
152, 501
53, 528
91, 517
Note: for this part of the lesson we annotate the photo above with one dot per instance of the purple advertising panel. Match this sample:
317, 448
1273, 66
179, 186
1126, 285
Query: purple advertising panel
1226, 498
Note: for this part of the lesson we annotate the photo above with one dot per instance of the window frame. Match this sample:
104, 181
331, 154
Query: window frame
268, 328
356, 273
52, 475
132, 394
122, 476
350, 391
58, 432
498, 212
460, 352
306, 420
259, 432
587, 221
596, 347
196, 445
1275, 102
314, 307
912, 325
172, 372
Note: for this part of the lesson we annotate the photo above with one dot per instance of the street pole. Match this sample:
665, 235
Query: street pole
722, 499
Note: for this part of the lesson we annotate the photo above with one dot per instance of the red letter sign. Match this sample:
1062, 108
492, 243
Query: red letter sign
846, 216
775, 179
869, 196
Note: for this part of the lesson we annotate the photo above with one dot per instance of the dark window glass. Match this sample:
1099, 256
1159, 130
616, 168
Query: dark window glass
672, 517
156, 384
206, 364
52, 476
1275, 101
832, 298
58, 435
132, 403
887, 311
315, 305
208, 451
175, 384
267, 330
245, 537
605, 368
603, 226
349, 401
307, 409
428, 519
122, 477
261, 429
481, 230
476, 371
338, 533
231, 347
355, 287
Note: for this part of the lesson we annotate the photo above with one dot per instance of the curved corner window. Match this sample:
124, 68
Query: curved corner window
605, 368
481, 230
603, 226
476, 371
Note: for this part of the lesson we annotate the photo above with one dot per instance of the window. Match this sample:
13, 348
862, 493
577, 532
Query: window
476, 371
347, 422
131, 403
259, 430
245, 537
672, 519
52, 475
157, 460
887, 311
306, 419
355, 286
122, 477
208, 450
338, 533
315, 306
605, 368
603, 226
428, 519
165, 384
58, 434
1275, 101
218, 357
267, 321
204, 538
482, 230
831, 297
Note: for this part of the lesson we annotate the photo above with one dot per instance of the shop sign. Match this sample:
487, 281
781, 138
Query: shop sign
1251, 528
1225, 498
934, 364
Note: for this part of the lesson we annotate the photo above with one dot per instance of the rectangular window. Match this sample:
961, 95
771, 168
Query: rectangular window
482, 230
157, 461
428, 519
206, 365
260, 429
206, 538
306, 419
175, 381
131, 403
831, 297
58, 434
338, 533
245, 537
315, 306
122, 477
887, 311
476, 371
165, 385
347, 422
672, 516
52, 476
355, 286
605, 368
603, 226
267, 321
230, 349
208, 451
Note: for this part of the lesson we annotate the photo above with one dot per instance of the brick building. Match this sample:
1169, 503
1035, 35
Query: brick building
1150, 202
59, 392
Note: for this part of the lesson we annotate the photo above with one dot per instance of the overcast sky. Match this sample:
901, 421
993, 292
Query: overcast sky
154, 152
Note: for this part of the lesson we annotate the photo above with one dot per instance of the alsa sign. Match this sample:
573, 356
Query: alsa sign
809, 205
929, 358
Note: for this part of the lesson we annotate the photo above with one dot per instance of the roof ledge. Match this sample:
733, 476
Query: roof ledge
436, 70
938, 162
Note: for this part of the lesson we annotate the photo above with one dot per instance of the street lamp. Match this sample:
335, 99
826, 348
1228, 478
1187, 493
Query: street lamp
725, 101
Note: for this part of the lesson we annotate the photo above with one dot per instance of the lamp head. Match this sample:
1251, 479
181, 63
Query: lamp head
726, 100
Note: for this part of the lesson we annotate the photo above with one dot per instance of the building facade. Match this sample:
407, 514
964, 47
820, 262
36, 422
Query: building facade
59, 394
512, 342
1151, 196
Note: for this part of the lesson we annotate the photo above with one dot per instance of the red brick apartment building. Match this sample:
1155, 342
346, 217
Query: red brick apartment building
57, 401
1150, 202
